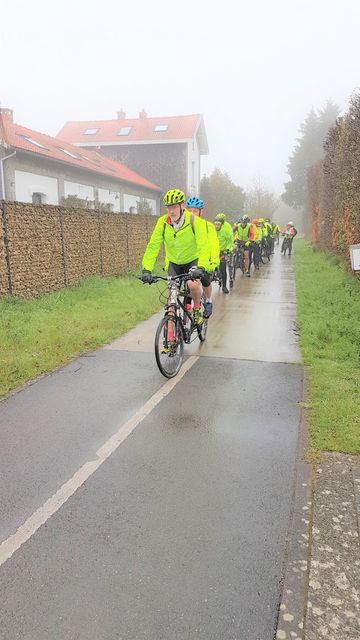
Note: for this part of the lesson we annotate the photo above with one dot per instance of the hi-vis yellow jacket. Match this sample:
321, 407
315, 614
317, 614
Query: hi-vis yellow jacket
213, 247
226, 237
213, 243
181, 247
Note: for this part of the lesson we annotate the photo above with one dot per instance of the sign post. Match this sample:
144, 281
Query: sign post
355, 256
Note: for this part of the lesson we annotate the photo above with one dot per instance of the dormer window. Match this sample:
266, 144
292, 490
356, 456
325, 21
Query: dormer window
124, 131
90, 132
161, 127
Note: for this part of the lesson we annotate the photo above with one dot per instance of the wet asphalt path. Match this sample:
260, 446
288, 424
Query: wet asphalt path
181, 532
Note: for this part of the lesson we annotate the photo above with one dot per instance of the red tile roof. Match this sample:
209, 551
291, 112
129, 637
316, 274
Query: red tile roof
179, 128
15, 136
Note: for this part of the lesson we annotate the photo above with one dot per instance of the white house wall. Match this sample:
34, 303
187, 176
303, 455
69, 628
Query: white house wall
27, 183
193, 168
83, 191
130, 203
44, 169
106, 196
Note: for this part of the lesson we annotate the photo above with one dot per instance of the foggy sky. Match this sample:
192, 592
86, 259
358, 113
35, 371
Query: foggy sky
253, 69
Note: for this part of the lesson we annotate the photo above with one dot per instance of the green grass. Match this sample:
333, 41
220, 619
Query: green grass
329, 320
38, 335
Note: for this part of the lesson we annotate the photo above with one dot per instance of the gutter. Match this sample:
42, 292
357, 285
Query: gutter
2, 160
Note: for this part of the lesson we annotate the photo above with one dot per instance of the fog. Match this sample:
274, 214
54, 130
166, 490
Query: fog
252, 69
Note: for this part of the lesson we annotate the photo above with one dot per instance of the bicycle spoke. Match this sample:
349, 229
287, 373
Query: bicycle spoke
169, 346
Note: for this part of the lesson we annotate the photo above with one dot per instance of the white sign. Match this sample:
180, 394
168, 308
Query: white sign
355, 256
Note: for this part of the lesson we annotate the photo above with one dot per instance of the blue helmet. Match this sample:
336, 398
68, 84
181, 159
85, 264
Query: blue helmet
195, 202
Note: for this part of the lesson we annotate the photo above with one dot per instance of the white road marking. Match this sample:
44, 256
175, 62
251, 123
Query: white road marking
53, 504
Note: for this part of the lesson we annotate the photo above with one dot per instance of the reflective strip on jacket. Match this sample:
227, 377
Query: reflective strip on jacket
181, 247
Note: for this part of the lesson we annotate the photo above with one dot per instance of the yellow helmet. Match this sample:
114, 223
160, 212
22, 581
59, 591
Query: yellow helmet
174, 196
220, 217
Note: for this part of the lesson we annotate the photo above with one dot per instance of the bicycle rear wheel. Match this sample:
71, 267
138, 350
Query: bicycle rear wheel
169, 354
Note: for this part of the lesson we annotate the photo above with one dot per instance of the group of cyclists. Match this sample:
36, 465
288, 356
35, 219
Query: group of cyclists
207, 250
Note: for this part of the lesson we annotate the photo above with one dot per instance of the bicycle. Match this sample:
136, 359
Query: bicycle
286, 245
238, 259
228, 258
265, 250
178, 322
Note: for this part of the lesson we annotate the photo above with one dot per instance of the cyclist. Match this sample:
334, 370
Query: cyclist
288, 232
186, 246
265, 240
243, 236
226, 244
257, 242
276, 232
271, 236
195, 205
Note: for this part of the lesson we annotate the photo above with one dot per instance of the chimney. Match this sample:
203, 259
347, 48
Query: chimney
121, 114
7, 113
142, 114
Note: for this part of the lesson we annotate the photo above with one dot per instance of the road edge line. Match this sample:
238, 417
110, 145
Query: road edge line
25, 531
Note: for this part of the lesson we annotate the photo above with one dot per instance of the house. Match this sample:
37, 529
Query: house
166, 150
37, 168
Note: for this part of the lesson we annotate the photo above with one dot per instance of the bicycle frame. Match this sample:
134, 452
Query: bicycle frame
176, 306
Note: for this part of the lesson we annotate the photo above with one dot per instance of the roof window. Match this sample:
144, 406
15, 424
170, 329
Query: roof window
90, 132
68, 153
37, 144
124, 131
161, 127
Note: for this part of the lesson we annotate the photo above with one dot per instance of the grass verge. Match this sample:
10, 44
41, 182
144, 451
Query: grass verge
329, 321
38, 335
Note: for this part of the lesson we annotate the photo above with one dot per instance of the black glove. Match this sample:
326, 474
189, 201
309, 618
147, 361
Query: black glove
196, 272
146, 276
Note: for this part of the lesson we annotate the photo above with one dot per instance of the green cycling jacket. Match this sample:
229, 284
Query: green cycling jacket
225, 237
181, 247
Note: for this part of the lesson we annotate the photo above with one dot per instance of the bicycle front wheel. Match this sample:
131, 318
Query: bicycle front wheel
234, 266
169, 346
202, 330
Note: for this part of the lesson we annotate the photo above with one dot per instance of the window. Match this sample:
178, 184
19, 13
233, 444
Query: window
90, 132
68, 153
124, 131
38, 198
161, 127
37, 144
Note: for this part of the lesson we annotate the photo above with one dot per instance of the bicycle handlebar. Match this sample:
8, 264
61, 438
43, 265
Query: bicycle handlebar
184, 277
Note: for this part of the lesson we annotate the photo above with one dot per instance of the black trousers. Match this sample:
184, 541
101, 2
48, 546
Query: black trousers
223, 272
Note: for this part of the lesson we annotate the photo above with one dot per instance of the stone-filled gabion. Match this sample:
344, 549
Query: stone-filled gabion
44, 248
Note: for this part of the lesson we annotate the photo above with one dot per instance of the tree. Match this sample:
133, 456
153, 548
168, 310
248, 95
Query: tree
220, 193
308, 151
259, 201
